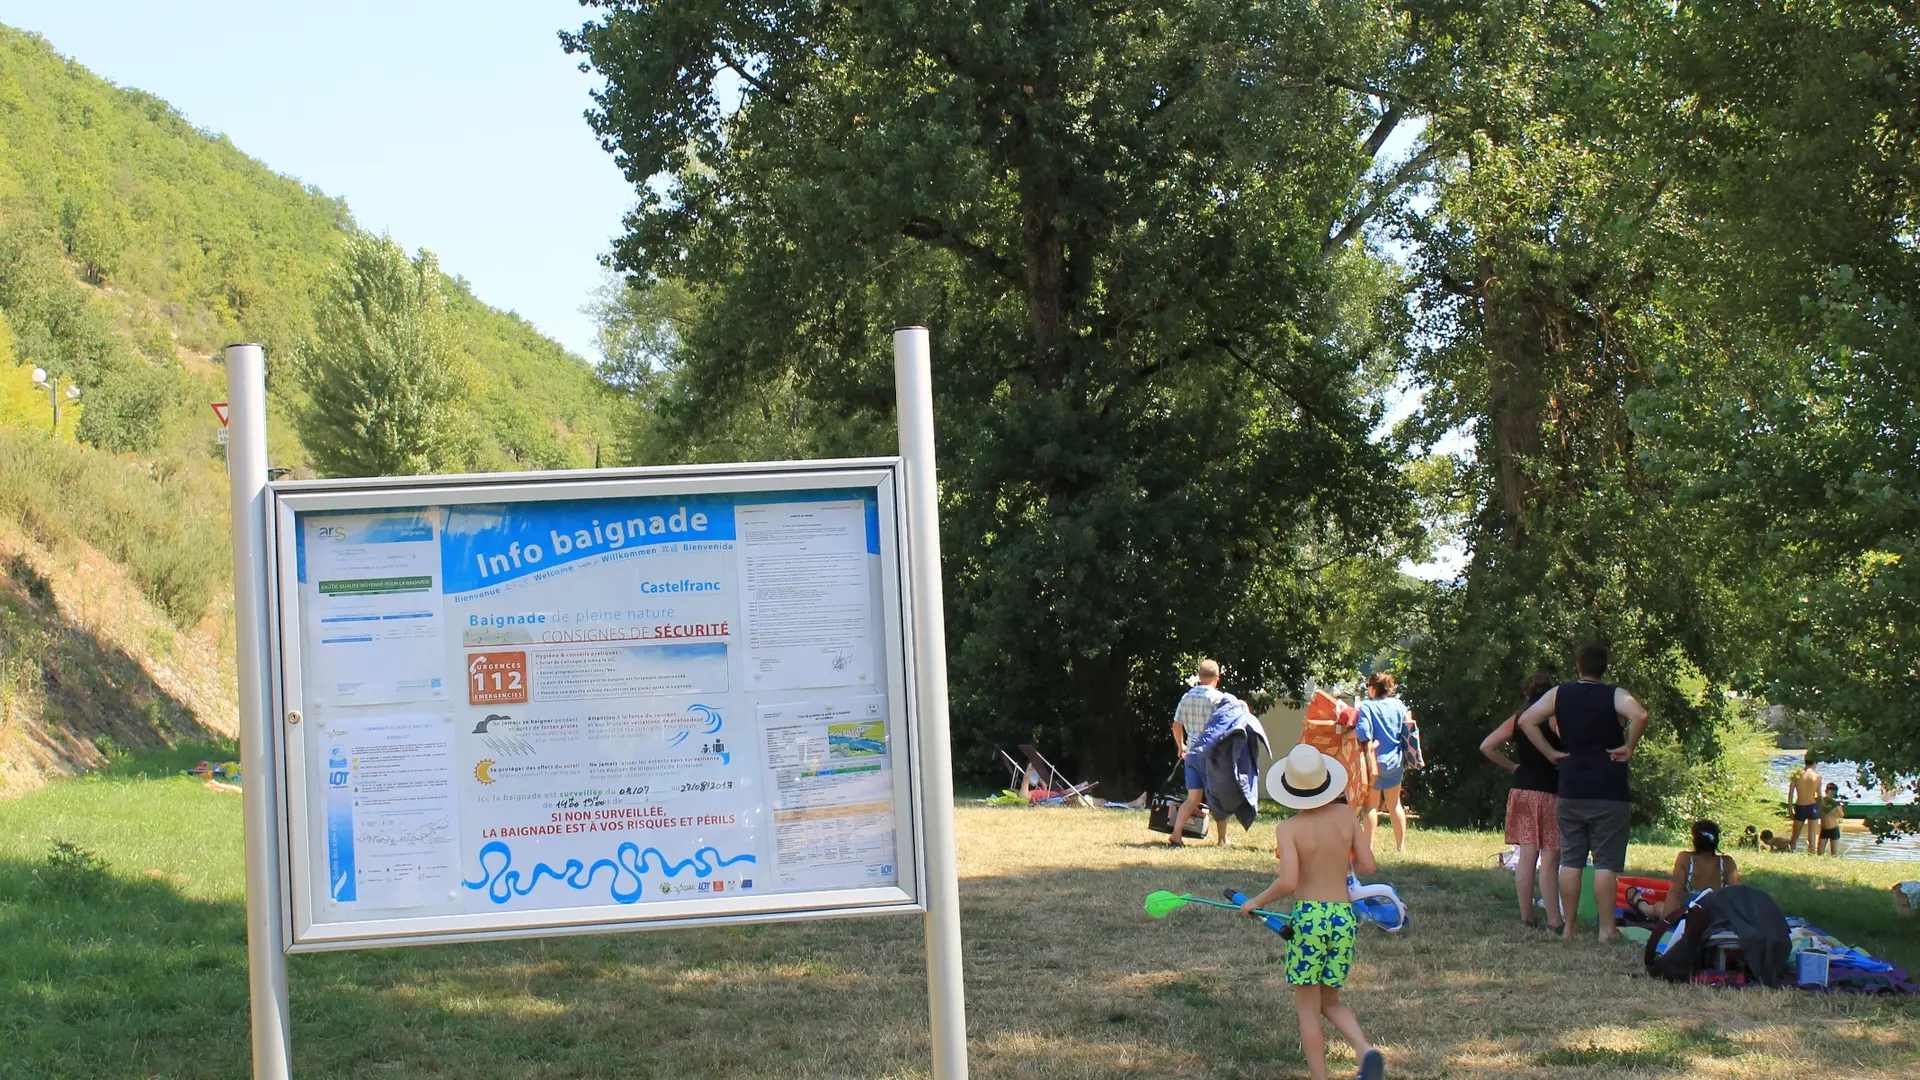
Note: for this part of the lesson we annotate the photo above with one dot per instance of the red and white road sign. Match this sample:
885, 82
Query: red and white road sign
220, 410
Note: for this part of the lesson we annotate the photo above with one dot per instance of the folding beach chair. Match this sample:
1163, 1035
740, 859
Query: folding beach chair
1053, 780
1015, 770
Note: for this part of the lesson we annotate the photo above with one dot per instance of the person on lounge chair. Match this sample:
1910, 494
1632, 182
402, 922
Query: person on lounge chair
1694, 872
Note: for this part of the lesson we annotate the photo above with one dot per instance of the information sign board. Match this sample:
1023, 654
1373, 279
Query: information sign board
578, 702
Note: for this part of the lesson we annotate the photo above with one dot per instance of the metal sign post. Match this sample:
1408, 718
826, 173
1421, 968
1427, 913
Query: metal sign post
247, 475
946, 984
454, 556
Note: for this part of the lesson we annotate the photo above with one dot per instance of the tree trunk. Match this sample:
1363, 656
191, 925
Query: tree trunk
1513, 333
1109, 745
1044, 250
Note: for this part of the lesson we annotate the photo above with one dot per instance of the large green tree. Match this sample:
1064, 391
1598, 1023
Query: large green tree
1668, 277
1558, 271
382, 377
1132, 228
1796, 146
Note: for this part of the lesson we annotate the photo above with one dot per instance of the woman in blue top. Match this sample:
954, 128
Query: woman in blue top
1382, 729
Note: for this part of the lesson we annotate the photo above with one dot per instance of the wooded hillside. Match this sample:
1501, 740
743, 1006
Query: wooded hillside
133, 246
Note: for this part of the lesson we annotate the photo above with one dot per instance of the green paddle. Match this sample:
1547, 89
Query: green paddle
1162, 904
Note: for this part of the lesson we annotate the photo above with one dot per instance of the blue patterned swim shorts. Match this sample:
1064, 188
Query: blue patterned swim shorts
1321, 949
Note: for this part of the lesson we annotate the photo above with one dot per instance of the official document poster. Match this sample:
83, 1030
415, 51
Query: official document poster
540, 705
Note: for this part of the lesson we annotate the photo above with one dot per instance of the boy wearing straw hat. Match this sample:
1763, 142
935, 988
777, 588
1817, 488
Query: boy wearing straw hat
1316, 848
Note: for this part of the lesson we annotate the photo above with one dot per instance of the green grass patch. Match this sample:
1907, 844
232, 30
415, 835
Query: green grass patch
124, 956
1661, 1048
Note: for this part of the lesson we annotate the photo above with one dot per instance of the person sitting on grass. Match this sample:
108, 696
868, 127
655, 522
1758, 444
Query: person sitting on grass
1317, 848
1832, 810
1694, 872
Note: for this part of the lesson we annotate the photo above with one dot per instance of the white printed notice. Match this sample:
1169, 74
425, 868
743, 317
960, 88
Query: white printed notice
373, 609
652, 699
832, 783
807, 602
393, 812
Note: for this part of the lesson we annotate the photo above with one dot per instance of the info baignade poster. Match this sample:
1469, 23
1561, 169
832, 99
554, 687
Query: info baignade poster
546, 705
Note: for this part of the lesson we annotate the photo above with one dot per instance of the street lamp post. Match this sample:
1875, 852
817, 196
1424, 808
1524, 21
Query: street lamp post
51, 384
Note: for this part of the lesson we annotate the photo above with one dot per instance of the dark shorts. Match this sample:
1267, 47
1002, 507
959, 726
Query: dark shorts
1196, 773
1809, 812
1830, 834
1598, 826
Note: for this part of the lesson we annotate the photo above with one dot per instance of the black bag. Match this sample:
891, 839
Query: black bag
1746, 911
1163, 808
1682, 957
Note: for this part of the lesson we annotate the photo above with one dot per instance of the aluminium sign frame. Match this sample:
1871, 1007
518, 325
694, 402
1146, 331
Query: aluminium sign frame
287, 694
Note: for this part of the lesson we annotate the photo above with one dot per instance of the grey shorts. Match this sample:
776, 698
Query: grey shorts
1596, 825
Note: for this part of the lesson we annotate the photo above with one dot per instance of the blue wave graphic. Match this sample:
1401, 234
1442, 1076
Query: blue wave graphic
503, 883
710, 718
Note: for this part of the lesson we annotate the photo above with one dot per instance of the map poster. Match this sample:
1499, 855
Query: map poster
536, 706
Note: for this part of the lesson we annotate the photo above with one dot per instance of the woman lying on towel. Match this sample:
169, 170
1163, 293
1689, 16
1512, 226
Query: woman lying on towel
1694, 872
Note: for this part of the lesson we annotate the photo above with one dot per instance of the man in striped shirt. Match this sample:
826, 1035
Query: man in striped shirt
1189, 720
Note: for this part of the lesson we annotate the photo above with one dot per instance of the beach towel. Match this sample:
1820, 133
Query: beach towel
1850, 970
1328, 728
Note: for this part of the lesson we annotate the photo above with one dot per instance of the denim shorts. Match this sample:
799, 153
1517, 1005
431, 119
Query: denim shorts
1389, 778
1196, 773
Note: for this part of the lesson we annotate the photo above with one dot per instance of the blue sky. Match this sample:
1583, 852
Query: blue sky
455, 126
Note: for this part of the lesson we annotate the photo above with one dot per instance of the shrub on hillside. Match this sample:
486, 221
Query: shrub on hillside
124, 412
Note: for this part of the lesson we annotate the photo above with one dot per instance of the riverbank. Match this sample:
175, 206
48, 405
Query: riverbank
124, 956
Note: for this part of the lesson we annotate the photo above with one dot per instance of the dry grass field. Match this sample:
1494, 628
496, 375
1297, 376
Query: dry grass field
134, 966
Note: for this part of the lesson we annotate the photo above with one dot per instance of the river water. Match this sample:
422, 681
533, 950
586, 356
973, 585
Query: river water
1855, 843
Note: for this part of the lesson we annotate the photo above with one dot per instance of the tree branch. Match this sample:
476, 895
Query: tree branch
935, 232
1388, 121
740, 69
1259, 372
1361, 88
1400, 178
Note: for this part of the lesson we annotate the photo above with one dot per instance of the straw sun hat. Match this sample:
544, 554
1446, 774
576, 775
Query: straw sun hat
1306, 778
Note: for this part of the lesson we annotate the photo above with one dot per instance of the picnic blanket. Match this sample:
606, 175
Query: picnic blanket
1850, 970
